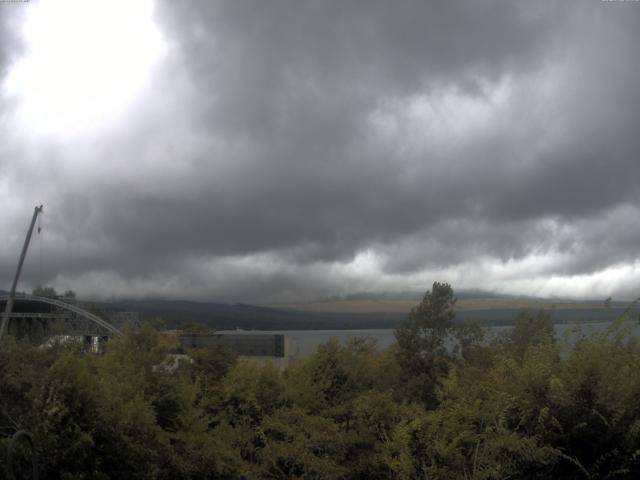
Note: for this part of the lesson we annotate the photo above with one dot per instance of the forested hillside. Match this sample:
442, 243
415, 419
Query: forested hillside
523, 405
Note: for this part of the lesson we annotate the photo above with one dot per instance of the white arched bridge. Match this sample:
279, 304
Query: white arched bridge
101, 326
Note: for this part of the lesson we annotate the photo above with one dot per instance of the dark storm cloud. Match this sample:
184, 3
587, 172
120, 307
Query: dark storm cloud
282, 139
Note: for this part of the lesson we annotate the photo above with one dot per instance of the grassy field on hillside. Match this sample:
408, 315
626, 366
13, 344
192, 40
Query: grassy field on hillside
463, 304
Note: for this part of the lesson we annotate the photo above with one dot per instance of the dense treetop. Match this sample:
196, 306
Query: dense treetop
446, 401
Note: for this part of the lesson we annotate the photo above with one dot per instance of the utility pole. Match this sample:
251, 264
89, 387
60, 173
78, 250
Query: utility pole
9, 307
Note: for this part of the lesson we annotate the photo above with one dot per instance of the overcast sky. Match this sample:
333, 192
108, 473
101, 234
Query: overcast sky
291, 150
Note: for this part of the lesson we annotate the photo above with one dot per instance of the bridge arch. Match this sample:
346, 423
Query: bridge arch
66, 306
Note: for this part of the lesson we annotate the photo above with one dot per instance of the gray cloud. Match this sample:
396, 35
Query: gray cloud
10, 16
288, 150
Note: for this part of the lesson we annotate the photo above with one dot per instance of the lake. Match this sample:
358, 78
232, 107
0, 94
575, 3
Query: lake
308, 340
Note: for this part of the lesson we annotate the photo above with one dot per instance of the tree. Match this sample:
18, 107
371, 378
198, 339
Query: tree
44, 291
422, 352
193, 326
529, 330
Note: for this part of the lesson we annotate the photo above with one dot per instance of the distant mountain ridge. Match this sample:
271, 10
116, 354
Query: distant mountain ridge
352, 314
224, 316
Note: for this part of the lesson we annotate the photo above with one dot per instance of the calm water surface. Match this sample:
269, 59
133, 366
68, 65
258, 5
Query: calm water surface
308, 340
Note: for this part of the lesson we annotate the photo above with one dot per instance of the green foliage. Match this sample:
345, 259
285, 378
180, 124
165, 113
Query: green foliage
529, 329
442, 403
44, 291
422, 352
193, 326
429, 343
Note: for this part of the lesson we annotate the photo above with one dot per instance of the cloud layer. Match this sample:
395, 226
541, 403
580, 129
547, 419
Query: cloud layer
290, 150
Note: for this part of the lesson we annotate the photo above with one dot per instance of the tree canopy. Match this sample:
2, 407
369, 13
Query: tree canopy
445, 402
